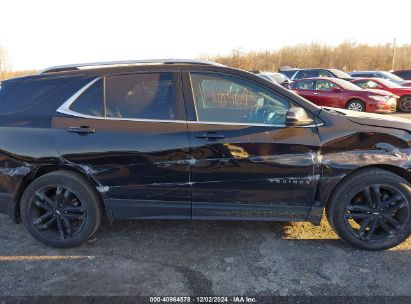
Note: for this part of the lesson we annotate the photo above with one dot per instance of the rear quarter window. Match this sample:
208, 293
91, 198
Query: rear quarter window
5, 88
26, 94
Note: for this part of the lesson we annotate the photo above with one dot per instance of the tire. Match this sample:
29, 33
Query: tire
355, 105
404, 104
347, 210
61, 209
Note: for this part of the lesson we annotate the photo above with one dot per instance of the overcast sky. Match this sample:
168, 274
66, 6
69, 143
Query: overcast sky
43, 33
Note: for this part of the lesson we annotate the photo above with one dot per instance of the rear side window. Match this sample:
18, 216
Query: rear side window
325, 73
91, 101
403, 74
306, 74
144, 96
29, 93
365, 75
303, 85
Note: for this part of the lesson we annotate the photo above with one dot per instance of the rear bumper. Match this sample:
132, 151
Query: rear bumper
6, 203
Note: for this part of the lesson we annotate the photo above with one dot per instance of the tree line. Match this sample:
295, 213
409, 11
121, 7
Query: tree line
347, 56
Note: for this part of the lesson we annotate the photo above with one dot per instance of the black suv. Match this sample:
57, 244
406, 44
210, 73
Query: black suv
295, 74
194, 140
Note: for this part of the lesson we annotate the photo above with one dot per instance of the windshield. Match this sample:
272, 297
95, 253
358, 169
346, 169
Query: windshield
392, 77
277, 77
346, 84
340, 74
389, 83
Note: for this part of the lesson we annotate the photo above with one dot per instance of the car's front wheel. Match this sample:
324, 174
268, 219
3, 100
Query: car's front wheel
371, 210
404, 104
61, 209
355, 105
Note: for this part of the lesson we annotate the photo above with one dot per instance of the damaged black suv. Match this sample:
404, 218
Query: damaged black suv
181, 139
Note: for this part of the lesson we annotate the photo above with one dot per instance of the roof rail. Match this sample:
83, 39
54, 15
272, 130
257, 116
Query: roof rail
91, 65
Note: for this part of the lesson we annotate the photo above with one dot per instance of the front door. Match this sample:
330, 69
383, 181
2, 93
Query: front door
246, 162
329, 94
131, 140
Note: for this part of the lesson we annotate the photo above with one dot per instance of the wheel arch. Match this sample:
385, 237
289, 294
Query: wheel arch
42, 170
402, 172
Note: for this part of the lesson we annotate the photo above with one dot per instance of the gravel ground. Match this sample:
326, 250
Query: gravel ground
164, 258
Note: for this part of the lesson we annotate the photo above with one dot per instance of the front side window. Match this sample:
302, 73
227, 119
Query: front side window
141, 96
223, 98
367, 84
325, 85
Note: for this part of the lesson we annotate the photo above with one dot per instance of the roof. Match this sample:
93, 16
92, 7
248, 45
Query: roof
107, 64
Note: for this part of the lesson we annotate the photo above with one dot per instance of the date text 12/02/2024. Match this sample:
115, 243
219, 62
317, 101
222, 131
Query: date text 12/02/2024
203, 299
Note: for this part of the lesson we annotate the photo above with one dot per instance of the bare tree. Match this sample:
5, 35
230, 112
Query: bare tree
348, 56
4, 67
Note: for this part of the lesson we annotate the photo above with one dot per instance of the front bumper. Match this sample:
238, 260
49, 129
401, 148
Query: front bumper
386, 107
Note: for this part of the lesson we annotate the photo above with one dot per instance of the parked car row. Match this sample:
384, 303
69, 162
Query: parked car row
370, 91
338, 93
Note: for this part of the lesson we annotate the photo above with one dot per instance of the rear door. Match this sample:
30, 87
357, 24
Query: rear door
128, 133
246, 162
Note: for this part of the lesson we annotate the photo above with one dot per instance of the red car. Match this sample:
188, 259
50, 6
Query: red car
339, 93
404, 93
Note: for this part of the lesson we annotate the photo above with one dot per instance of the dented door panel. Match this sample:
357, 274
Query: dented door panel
254, 171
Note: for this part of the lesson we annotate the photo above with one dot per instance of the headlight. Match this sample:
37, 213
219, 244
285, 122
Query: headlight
379, 97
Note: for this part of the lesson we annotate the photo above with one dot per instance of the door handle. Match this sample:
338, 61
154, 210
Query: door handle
81, 130
210, 135
316, 93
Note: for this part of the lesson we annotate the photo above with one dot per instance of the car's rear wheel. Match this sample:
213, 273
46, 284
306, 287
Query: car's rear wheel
355, 105
371, 210
404, 104
61, 209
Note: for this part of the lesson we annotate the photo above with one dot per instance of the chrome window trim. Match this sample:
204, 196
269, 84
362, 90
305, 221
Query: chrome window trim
65, 109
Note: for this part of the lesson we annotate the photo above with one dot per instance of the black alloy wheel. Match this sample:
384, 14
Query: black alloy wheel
370, 209
57, 212
377, 213
61, 209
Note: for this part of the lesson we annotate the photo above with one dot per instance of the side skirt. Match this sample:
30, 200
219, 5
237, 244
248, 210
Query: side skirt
136, 209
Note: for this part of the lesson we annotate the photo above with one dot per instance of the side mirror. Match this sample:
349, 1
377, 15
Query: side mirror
336, 90
297, 116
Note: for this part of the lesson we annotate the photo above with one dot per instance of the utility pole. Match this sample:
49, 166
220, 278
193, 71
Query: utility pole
393, 54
